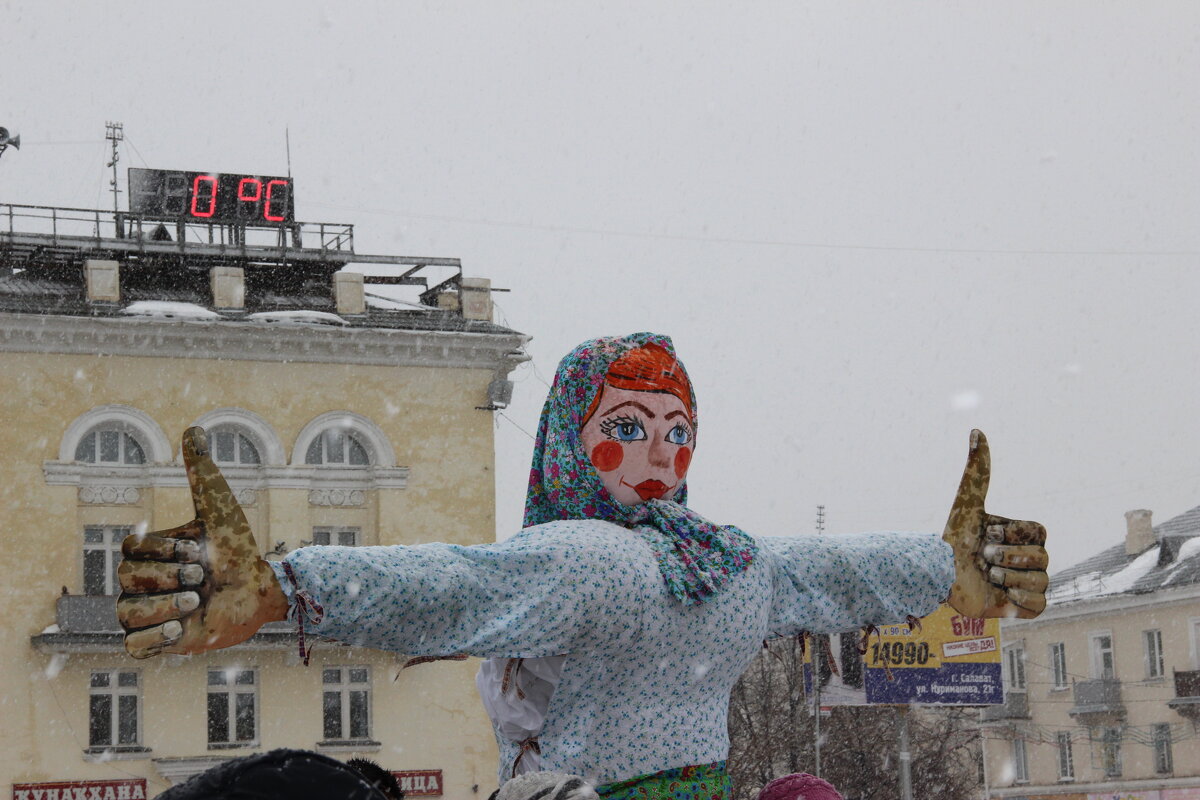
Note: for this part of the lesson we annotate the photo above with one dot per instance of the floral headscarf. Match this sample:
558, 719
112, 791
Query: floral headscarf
695, 556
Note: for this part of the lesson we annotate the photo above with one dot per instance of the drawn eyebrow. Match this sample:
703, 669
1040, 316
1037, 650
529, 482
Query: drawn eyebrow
633, 403
676, 413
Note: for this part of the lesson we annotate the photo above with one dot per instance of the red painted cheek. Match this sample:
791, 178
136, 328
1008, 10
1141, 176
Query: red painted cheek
683, 460
607, 456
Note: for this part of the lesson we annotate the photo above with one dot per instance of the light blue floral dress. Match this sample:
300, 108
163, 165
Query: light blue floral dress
645, 686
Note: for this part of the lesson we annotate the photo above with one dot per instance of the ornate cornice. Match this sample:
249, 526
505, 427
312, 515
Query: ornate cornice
249, 341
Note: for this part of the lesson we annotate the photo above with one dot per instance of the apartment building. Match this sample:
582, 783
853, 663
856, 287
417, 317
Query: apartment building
1102, 691
339, 418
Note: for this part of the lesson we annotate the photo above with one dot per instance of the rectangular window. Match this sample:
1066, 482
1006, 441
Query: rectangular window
346, 703
1110, 752
101, 556
1014, 668
1163, 762
1154, 653
114, 704
1066, 759
232, 707
1020, 762
1103, 662
343, 537
1058, 665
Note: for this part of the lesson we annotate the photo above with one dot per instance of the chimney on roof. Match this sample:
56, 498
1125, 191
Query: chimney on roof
349, 295
1139, 532
228, 288
103, 280
476, 299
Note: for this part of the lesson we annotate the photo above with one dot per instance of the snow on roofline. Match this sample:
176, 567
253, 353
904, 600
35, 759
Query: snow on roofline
166, 309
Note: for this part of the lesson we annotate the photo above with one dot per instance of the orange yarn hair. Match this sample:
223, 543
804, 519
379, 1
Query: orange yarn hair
649, 368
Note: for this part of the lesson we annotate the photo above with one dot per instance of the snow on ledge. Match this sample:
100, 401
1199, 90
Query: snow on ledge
298, 318
165, 309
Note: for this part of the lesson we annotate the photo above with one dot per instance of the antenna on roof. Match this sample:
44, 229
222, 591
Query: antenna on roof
114, 132
287, 141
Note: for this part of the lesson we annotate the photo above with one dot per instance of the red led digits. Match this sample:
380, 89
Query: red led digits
212, 195
267, 206
243, 183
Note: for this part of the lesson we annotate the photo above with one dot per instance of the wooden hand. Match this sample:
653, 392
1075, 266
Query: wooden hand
201, 586
1000, 563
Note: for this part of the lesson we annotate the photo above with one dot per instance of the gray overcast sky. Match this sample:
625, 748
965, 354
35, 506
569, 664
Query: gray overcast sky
868, 227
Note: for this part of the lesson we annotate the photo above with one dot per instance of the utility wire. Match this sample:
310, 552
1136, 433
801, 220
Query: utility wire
761, 242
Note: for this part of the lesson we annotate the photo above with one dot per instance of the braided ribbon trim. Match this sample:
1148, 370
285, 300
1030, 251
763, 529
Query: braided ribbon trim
305, 606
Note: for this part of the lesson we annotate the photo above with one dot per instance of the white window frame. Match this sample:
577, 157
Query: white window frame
1066, 757
1152, 644
339, 535
124, 437
1164, 759
112, 535
348, 438
138, 424
1014, 667
1194, 633
242, 440
255, 428
1059, 678
231, 689
1095, 654
344, 688
114, 691
1020, 755
380, 453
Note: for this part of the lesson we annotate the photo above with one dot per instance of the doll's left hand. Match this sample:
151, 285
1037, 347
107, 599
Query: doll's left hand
1000, 563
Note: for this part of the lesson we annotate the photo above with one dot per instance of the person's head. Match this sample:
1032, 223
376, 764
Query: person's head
378, 777
799, 786
618, 429
640, 431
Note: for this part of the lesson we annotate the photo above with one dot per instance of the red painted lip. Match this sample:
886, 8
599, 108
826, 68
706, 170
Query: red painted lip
649, 489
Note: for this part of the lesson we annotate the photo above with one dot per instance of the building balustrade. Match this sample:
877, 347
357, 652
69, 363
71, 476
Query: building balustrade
1187, 694
1097, 699
1015, 706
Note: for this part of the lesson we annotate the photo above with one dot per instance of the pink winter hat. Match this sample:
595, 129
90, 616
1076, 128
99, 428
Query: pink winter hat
799, 786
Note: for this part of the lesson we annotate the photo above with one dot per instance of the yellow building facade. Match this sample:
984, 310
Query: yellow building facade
1102, 691
349, 425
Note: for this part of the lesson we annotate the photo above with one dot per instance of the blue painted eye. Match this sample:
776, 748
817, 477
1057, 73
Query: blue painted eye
628, 432
679, 435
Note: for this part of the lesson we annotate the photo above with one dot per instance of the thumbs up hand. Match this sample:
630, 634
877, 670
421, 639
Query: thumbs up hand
999, 563
203, 585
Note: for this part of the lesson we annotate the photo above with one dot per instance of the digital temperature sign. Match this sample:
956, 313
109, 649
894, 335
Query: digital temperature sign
220, 197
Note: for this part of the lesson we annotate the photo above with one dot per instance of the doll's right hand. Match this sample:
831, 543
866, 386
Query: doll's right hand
201, 586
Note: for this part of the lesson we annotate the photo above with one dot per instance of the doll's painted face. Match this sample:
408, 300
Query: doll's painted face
639, 442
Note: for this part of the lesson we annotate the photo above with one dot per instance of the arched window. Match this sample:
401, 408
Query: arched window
109, 446
230, 446
337, 446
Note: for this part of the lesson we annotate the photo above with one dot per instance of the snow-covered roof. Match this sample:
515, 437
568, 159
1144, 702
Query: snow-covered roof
298, 318
1173, 561
165, 309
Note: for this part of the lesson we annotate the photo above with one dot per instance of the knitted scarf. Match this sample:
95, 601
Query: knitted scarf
695, 556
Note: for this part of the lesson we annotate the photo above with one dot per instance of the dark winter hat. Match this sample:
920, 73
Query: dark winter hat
799, 786
285, 774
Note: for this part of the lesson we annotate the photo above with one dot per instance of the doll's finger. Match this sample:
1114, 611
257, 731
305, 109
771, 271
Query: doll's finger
1016, 531
143, 577
1017, 556
1029, 580
160, 548
135, 611
151, 641
1028, 604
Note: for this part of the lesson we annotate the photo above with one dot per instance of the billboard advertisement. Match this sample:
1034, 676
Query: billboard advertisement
949, 659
